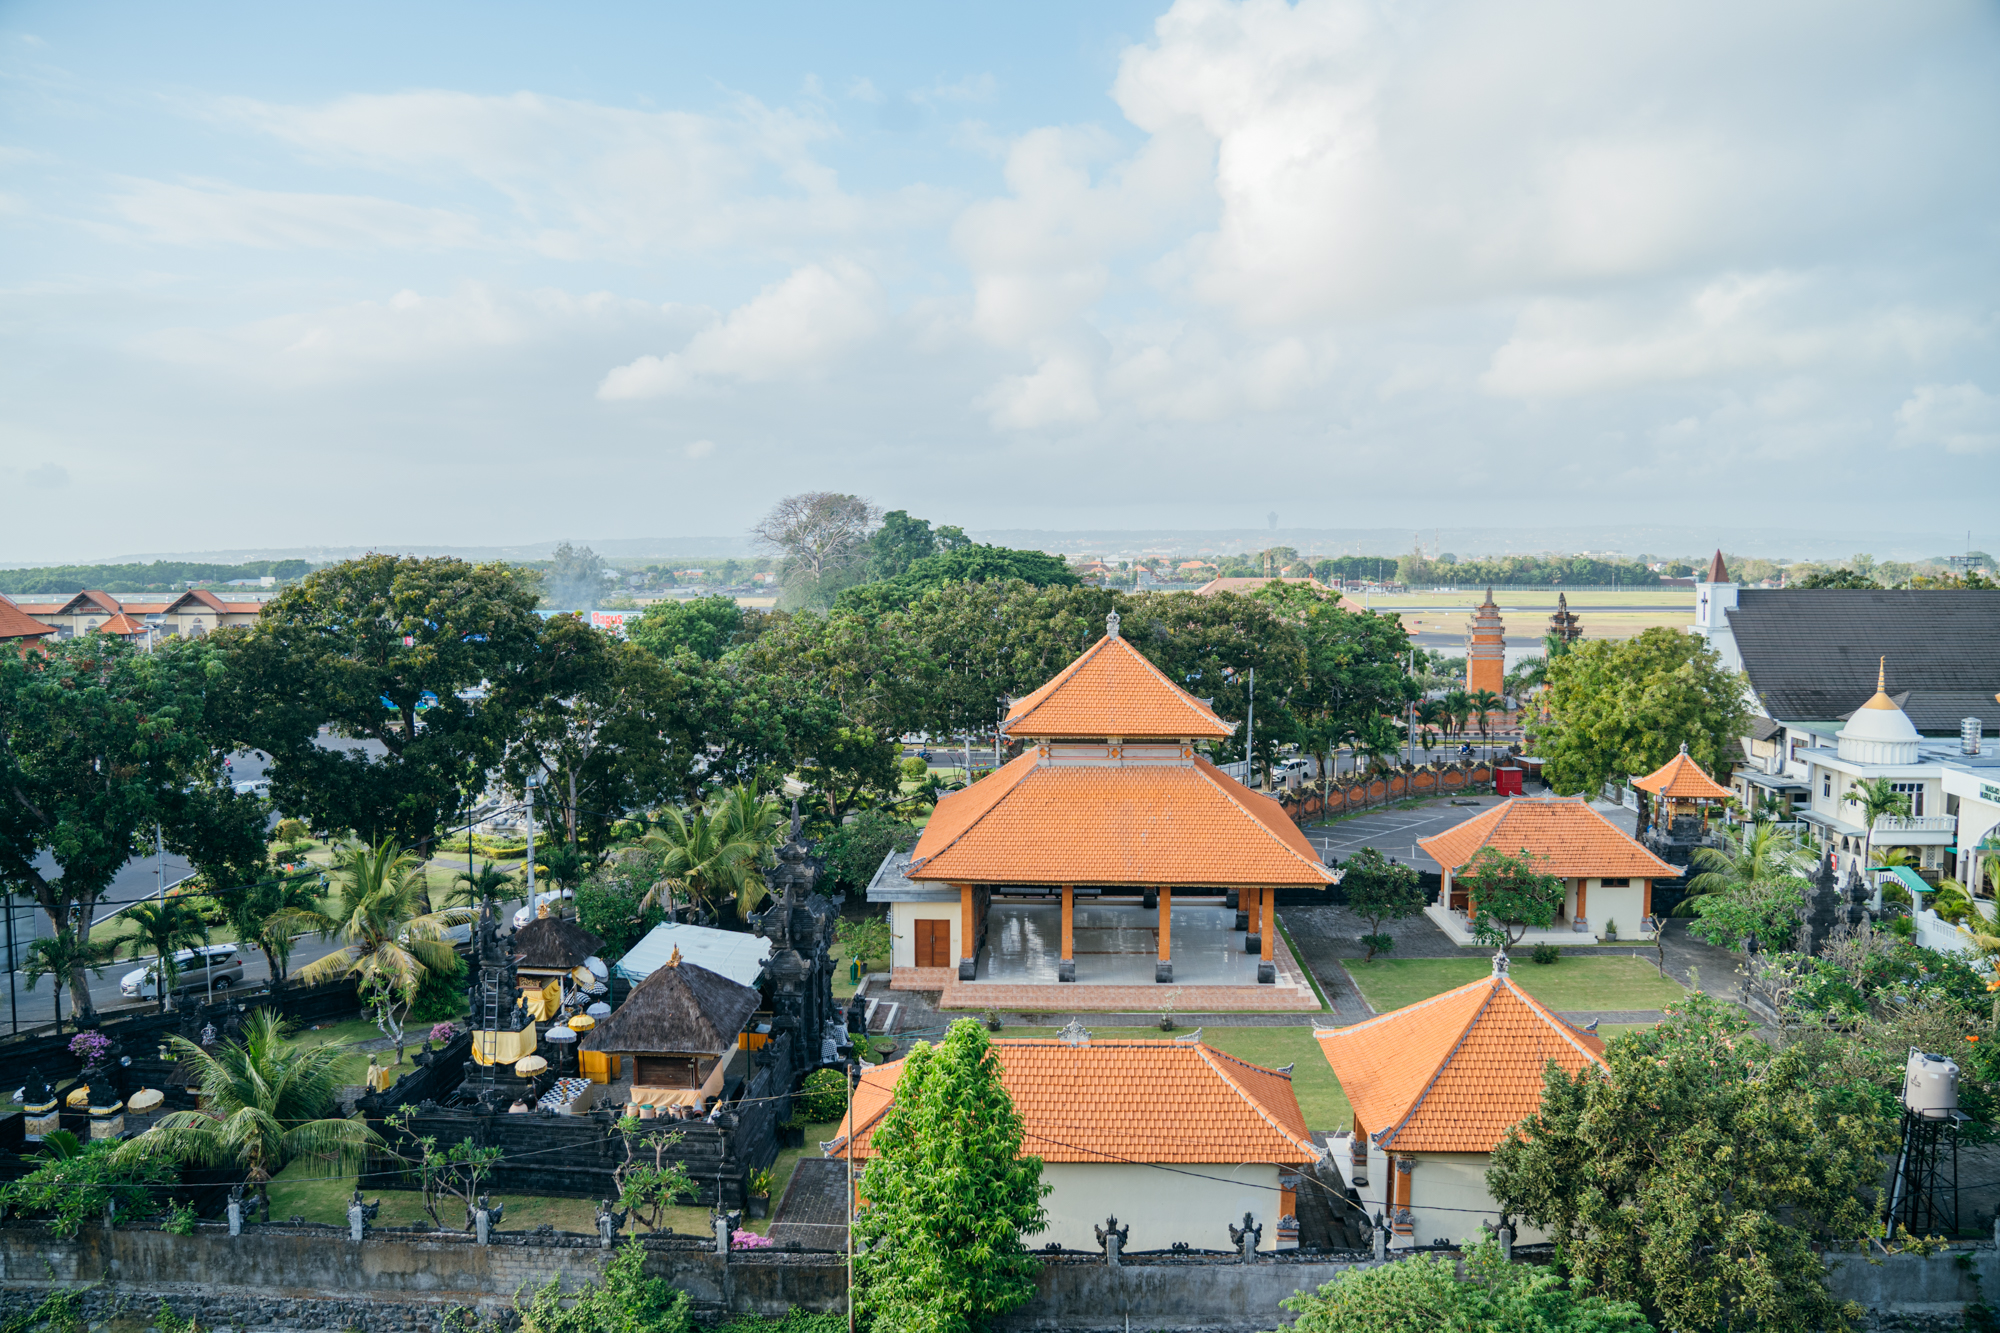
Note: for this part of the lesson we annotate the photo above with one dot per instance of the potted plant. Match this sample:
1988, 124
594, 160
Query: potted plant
1167, 1012
760, 1193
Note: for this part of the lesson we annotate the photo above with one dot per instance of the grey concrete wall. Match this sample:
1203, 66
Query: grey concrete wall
1909, 1284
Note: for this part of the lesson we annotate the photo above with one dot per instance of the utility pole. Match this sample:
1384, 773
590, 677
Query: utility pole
1411, 726
1250, 734
851, 1075
534, 781
159, 863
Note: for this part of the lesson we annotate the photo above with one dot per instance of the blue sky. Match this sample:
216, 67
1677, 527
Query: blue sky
396, 274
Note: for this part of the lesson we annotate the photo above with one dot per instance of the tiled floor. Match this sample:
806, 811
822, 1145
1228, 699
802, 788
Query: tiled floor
1115, 945
1290, 994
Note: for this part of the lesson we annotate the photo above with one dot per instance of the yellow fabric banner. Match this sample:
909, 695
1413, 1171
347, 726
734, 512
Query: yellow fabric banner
503, 1048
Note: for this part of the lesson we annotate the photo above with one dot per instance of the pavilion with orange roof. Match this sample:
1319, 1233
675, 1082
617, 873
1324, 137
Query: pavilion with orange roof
1683, 791
1111, 800
1175, 1138
1608, 877
1435, 1086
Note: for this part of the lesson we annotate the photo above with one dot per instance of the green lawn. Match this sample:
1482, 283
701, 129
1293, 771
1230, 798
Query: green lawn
1319, 1094
300, 1190
1572, 983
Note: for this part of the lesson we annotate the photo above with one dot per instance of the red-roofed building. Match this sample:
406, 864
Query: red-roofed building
1174, 1137
1111, 799
1435, 1086
19, 630
1608, 877
193, 613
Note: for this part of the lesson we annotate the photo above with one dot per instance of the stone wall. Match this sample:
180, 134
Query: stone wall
399, 1281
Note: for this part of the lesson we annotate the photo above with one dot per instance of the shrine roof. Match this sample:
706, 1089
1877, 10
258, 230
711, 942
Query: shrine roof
1567, 838
1454, 1072
1125, 1101
1681, 778
1112, 690
1179, 823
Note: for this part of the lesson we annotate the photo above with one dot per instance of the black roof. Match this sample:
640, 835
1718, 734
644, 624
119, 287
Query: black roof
1812, 653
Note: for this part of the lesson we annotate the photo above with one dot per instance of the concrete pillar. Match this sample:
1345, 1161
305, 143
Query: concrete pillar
1066, 965
1163, 971
1267, 969
1253, 939
968, 938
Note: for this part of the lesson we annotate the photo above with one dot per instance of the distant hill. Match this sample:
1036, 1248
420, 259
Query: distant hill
159, 576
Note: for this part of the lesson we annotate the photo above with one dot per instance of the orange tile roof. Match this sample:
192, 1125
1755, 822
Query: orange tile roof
1112, 690
1569, 837
1453, 1073
1136, 1101
121, 625
18, 624
1681, 778
1164, 822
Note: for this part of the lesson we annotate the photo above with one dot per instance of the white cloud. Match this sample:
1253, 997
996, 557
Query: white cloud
586, 179
1371, 158
213, 213
1060, 391
1773, 323
698, 449
408, 334
792, 328
1958, 418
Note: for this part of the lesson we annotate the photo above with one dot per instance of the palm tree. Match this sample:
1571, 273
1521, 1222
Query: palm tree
1430, 717
481, 887
1876, 797
718, 853
391, 941
1484, 703
1755, 854
1457, 704
165, 927
264, 1103
272, 911
61, 956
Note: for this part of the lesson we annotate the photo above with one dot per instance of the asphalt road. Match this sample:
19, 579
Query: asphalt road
1394, 833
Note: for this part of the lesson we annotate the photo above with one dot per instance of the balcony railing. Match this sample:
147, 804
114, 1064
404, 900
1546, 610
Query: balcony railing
1915, 824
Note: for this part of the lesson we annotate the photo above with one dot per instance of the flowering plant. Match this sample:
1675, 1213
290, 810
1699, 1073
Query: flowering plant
444, 1031
90, 1047
748, 1240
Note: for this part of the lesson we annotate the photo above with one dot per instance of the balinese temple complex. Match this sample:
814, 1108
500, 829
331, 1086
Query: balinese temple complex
1485, 649
1564, 627
1110, 855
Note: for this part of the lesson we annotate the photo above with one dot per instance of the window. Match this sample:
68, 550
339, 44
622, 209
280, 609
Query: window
1826, 785
1913, 790
1625, 883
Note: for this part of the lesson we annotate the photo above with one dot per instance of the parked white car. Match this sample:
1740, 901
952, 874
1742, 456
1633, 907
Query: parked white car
217, 965
532, 910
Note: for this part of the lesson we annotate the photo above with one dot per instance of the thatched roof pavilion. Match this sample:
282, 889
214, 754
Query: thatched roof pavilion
549, 945
679, 1026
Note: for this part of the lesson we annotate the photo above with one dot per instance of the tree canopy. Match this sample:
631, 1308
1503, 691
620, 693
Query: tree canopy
1621, 709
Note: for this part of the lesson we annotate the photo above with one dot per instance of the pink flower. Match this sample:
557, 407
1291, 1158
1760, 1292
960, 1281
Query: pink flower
748, 1240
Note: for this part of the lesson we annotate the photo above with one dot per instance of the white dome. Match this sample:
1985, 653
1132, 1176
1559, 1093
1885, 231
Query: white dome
1878, 732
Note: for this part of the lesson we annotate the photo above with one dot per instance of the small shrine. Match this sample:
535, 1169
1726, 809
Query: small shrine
1485, 649
678, 1028
1564, 627
553, 949
1683, 796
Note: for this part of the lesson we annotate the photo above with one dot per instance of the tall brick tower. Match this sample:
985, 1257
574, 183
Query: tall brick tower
1485, 649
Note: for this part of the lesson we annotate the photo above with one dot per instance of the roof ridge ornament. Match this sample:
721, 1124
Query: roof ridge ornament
1500, 964
1111, 625
1075, 1033
1684, 747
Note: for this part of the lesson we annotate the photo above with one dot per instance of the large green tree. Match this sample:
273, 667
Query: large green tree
949, 1195
1355, 674
99, 745
705, 626
1377, 889
1622, 709
1701, 1177
392, 652
604, 725
959, 564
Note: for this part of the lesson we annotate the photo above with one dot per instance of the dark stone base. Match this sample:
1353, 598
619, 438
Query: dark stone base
1253, 942
1242, 921
968, 969
1066, 969
1229, 899
1267, 974
1163, 971
1151, 901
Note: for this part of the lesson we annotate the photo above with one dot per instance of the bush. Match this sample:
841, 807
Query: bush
608, 907
916, 769
71, 1181
1378, 944
852, 852
441, 994
1547, 953
821, 1098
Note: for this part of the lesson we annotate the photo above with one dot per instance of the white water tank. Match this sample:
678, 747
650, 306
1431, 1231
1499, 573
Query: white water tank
1930, 1085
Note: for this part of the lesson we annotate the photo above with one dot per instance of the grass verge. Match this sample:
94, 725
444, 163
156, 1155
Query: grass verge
1574, 983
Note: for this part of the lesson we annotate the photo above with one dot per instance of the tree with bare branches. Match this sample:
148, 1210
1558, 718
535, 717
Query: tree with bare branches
821, 534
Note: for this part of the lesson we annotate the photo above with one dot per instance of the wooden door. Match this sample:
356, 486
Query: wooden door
934, 943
